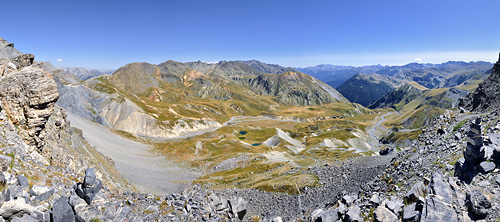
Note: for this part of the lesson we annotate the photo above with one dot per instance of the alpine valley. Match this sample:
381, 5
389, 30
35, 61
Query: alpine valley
249, 141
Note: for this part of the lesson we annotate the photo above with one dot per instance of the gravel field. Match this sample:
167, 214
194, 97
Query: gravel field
150, 173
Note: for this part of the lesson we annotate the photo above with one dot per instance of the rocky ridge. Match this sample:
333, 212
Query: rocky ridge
487, 95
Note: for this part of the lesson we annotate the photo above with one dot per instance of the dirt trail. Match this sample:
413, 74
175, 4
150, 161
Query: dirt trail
149, 172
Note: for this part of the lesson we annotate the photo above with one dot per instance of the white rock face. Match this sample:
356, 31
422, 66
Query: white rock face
296, 146
13, 207
117, 112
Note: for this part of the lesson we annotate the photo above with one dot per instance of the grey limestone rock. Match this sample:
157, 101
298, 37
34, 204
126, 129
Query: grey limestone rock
277, 219
62, 211
24, 218
5, 162
477, 203
474, 152
441, 188
435, 209
394, 205
353, 214
385, 215
349, 199
41, 216
415, 192
22, 181
90, 186
375, 199
486, 166
15, 207
410, 213
3, 180
238, 207
328, 215
41, 193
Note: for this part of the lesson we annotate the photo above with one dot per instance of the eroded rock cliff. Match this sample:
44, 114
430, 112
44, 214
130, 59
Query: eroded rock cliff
487, 95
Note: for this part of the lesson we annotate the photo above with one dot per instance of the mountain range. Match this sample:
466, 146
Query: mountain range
83, 73
265, 142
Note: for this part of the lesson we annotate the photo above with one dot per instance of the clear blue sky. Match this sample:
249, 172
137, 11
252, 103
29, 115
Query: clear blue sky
109, 34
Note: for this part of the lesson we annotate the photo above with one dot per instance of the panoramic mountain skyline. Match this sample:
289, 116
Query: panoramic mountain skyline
107, 35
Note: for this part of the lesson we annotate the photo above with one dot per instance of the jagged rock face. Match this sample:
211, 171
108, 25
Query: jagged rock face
28, 96
487, 95
7, 50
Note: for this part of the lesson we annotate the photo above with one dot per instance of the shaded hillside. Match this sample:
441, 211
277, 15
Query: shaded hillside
404, 94
432, 76
364, 89
487, 95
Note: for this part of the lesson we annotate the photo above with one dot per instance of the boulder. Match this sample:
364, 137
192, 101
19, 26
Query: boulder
383, 214
24, 218
394, 205
415, 192
3, 180
477, 203
328, 215
349, 199
5, 162
41, 193
375, 199
353, 214
441, 188
41, 216
62, 211
238, 206
277, 219
90, 186
22, 181
410, 213
15, 207
435, 209
16, 192
486, 167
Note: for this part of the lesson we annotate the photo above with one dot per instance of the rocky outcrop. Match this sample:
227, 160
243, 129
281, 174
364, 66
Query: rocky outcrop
28, 96
7, 50
487, 95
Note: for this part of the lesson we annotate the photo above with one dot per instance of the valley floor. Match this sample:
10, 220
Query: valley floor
135, 161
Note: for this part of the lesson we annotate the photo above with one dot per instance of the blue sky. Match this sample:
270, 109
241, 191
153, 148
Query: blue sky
109, 34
